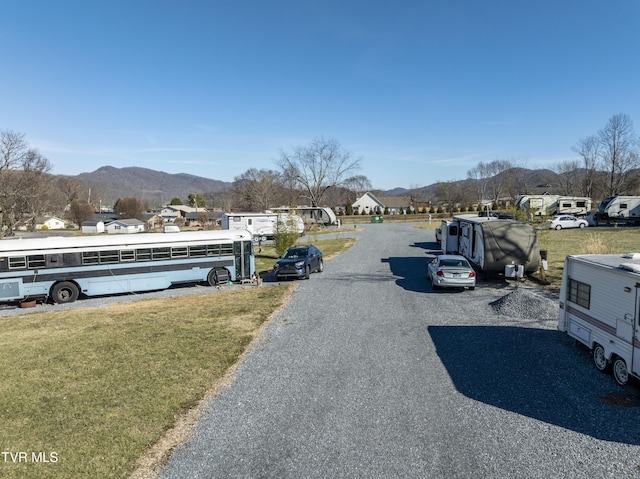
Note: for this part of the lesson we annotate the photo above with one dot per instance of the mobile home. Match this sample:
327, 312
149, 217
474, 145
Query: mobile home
262, 225
491, 244
600, 307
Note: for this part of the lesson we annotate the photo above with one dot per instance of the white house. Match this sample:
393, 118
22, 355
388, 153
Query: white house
367, 204
125, 226
92, 227
49, 223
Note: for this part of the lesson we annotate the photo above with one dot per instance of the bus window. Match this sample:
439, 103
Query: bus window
18, 262
161, 253
112, 256
197, 251
143, 254
127, 255
90, 257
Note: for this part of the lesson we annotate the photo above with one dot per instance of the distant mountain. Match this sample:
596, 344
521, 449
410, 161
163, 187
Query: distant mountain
156, 187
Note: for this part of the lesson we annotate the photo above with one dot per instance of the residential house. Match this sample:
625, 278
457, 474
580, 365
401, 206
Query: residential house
368, 204
125, 226
171, 213
41, 222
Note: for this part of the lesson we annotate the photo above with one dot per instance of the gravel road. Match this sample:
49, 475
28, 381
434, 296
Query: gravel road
369, 373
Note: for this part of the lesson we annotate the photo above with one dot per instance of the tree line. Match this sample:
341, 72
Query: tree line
323, 173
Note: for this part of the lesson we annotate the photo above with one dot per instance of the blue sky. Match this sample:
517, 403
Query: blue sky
421, 91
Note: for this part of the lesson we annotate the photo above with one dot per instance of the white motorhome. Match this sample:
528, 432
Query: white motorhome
262, 225
619, 208
600, 307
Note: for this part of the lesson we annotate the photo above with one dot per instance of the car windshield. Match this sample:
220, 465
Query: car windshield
296, 253
453, 263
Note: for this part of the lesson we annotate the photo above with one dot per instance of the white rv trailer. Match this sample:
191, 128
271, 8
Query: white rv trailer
492, 244
262, 225
317, 215
548, 205
600, 307
619, 207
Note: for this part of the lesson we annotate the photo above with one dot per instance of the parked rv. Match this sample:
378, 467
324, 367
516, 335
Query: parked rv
599, 300
617, 208
550, 205
491, 244
316, 215
262, 225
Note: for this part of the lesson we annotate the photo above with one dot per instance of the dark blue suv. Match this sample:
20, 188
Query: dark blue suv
299, 262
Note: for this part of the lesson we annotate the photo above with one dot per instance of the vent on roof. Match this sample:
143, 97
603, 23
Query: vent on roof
634, 268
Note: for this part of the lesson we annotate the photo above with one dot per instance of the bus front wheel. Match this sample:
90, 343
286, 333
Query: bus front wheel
64, 292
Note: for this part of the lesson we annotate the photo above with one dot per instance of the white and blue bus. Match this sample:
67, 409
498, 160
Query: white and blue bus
64, 267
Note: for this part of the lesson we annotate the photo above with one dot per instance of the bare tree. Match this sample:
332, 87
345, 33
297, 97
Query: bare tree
24, 181
321, 165
258, 190
450, 194
131, 207
493, 179
589, 150
619, 151
80, 211
568, 177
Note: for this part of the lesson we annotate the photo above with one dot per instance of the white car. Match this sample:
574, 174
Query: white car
451, 271
566, 221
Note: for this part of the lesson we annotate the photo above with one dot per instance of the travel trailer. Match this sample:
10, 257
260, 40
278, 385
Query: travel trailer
316, 215
600, 307
492, 244
616, 208
262, 225
549, 205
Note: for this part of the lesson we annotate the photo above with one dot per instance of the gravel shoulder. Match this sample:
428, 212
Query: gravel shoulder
369, 373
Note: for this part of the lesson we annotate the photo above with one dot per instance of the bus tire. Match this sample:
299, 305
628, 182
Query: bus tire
212, 278
64, 292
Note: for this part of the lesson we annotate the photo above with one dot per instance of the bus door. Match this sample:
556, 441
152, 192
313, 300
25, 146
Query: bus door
243, 258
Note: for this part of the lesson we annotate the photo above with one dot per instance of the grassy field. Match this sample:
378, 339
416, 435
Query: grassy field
87, 392
604, 240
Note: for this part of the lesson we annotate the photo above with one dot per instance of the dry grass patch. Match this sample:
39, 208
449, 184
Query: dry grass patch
98, 387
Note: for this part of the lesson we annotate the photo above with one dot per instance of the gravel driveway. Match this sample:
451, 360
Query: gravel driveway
369, 373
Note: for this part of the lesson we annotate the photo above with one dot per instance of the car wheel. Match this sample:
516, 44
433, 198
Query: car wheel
64, 292
599, 358
582, 225
320, 267
558, 227
307, 272
620, 371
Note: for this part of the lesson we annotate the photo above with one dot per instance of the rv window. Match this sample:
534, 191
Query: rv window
579, 293
623, 206
581, 204
453, 230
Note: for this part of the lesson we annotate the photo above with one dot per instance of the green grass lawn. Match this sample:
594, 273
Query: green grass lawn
94, 389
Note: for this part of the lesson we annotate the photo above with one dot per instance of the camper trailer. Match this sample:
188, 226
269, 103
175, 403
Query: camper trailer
536, 205
492, 244
600, 308
571, 205
315, 215
549, 205
616, 208
262, 225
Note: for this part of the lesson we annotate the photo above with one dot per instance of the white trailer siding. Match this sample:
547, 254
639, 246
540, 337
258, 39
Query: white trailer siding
606, 311
262, 225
